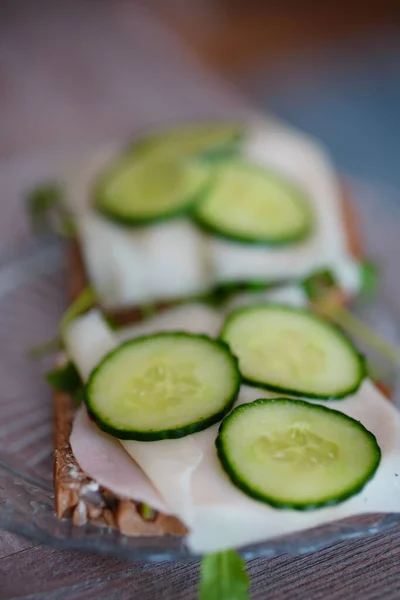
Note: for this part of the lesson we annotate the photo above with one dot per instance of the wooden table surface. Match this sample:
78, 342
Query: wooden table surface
71, 74
359, 570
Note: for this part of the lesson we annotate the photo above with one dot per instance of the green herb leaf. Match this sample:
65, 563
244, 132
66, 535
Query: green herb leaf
360, 330
47, 212
319, 288
148, 310
318, 284
369, 279
111, 321
146, 511
223, 577
86, 300
44, 349
66, 379
40, 201
78, 396
225, 291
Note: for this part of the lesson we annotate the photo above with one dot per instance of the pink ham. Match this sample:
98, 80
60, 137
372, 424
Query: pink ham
104, 459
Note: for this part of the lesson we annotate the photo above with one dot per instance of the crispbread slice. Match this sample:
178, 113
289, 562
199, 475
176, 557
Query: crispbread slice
78, 496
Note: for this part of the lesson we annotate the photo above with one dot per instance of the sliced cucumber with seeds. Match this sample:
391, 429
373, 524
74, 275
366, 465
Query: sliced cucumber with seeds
166, 385
138, 190
293, 454
251, 205
205, 140
294, 351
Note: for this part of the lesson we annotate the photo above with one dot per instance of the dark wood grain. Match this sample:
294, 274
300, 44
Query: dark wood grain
11, 544
360, 570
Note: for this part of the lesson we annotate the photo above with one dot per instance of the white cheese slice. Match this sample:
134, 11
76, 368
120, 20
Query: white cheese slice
165, 261
190, 480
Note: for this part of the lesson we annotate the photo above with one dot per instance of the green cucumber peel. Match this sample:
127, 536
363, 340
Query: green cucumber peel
185, 139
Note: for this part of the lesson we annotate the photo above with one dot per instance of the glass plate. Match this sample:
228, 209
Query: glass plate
32, 299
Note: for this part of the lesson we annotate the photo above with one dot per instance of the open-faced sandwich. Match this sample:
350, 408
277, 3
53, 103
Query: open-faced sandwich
240, 411
190, 211
235, 429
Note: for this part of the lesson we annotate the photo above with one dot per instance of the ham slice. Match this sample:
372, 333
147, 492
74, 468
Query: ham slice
195, 318
219, 516
105, 461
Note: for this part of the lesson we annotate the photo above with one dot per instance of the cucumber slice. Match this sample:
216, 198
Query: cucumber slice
292, 350
161, 386
293, 454
138, 190
251, 205
211, 141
